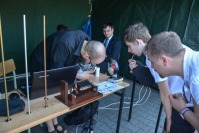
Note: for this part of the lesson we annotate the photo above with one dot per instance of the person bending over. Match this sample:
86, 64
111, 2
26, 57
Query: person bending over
136, 37
170, 57
66, 48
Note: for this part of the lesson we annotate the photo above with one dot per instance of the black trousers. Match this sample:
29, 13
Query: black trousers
178, 124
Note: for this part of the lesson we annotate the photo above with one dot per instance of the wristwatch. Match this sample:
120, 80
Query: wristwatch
183, 111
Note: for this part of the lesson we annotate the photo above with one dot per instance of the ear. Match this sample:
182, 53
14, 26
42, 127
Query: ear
164, 60
113, 29
86, 55
138, 41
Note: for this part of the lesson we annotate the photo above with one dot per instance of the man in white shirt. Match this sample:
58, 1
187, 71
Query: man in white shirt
168, 57
136, 37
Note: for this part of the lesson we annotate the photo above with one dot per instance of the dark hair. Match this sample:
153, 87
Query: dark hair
61, 27
107, 24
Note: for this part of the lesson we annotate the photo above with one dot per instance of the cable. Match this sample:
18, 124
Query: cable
140, 94
138, 102
87, 126
119, 102
147, 96
78, 127
113, 104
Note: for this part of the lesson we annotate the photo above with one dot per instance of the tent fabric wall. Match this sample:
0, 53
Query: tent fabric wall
72, 13
158, 15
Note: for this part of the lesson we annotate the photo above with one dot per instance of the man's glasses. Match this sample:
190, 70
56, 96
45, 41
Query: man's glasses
87, 67
186, 93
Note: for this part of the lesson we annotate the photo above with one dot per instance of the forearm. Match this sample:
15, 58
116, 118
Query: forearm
179, 104
193, 119
166, 104
164, 92
84, 75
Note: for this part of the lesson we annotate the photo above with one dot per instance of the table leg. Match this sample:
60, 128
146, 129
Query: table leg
29, 130
132, 98
91, 119
158, 120
120, 109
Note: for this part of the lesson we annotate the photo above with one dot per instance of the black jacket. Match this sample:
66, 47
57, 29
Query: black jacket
62, 49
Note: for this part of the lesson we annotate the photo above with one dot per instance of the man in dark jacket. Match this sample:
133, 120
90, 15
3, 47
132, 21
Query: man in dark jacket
112, 44
67, 48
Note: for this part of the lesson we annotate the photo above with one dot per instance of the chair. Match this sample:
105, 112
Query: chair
9, 67
144, 76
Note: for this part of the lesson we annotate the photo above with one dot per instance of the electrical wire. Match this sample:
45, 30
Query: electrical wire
147, 96
138, 102
76, 130
140, 95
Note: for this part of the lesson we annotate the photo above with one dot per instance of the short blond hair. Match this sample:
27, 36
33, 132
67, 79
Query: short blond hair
137, 31
167, 43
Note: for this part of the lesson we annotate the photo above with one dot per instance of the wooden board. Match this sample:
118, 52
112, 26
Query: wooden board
81, 100
39, 114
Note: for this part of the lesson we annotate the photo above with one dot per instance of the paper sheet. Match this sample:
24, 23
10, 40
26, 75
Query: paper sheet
107, 87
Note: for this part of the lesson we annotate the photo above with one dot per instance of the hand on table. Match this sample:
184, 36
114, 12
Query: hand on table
85, 75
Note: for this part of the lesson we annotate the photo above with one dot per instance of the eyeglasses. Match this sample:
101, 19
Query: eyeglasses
186, 93
91, 68
87, 67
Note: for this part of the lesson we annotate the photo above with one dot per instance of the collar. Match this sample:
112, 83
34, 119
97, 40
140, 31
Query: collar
78, 50
109, 38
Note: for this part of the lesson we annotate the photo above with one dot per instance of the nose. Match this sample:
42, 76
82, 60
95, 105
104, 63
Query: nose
106, 33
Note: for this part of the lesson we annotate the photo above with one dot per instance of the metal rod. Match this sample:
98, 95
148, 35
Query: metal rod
91, 7
26, 63
45, 79
4, 74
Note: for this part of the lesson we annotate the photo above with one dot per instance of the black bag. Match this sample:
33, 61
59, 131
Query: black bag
15, 105
81, 115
